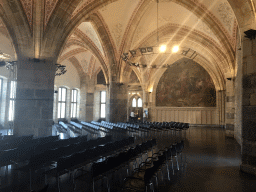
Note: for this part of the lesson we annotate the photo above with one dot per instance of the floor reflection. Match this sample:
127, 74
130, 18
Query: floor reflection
211, 164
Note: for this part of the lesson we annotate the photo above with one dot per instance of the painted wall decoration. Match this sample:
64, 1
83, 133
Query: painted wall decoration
133, 78
186, 84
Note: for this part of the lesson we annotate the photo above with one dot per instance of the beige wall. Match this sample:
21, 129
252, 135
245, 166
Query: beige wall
193, 115
70, 79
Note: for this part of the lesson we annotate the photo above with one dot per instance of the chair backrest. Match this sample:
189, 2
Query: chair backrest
98, 168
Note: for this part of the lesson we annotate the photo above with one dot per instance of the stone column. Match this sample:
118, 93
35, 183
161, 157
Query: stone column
221, 106
230, 108
249, 107
34, 98
87, 99
116, 102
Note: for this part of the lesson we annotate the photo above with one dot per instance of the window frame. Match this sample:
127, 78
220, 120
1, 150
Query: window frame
135, 100
61, 102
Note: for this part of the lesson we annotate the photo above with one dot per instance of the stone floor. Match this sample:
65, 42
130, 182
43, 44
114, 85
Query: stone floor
211, 164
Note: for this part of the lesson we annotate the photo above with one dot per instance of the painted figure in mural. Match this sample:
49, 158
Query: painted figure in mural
186, 84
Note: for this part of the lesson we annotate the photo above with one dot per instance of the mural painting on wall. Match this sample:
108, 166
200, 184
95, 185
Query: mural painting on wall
133, 78
186, 84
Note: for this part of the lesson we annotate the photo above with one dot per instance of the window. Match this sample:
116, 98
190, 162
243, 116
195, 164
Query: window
134, 103
139, 102
103, 104
1, 82
12, 100
1, 85
62, 102
74, 94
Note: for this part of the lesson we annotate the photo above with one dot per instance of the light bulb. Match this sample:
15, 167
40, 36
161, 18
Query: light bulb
175, 49
162, 48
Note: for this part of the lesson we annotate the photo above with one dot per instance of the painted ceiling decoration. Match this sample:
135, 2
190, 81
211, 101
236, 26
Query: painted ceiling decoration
180, 15
117, 16
28, 8
89, 31
80, 6
49, 7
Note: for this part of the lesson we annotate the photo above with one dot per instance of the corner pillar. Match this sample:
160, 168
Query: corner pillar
117, 102
34, 98
249, 107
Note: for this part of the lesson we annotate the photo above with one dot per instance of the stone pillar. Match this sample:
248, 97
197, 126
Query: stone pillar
230, 108
34, 98
221, 106
87, 99
238, 96
116, 102
89, 106
82, 110
249, 107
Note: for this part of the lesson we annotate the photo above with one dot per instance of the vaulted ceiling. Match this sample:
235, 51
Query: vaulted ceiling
113, 27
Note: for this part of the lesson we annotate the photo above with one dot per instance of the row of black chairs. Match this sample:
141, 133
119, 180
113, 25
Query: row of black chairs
113, 163
60, 129
79, 160
72, 128
36, 147
55, 152
11, 141
155, 165
51, 156
172, 124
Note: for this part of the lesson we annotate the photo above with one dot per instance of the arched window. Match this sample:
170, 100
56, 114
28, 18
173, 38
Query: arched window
12, 100
62, 102
74, 95
139, 102
134, 103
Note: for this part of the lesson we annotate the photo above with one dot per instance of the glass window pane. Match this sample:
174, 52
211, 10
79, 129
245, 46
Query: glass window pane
139, 102
63, 94
13, 89
102, 110
63, 110
72, 95
75, 95
74, 110
59, 109
71, 111
1, 81
11, 110
103, 97
59, 94
134, 102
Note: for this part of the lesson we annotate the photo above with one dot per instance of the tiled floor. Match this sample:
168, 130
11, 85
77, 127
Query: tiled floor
212, 164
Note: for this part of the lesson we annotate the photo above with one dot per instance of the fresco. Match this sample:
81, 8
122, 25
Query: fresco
186, 84
133, 78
